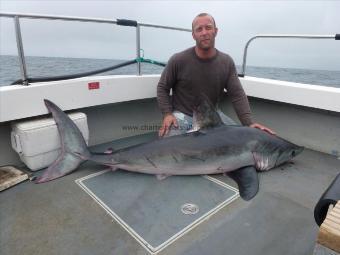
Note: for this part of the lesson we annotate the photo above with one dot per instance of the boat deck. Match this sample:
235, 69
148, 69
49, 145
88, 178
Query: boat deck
59, 217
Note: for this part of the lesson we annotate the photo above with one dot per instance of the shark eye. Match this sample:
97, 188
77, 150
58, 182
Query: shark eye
293, 153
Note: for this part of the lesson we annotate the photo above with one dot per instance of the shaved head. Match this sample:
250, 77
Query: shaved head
203, 14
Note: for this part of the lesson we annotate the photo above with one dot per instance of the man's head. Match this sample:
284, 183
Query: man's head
204, 31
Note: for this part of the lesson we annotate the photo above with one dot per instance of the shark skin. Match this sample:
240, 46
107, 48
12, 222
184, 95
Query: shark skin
214, 149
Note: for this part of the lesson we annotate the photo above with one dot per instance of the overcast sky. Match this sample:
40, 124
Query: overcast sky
237, 22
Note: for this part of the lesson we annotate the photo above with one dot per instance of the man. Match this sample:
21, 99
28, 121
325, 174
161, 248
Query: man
200, 70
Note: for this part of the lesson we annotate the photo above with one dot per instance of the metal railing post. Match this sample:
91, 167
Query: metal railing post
20, 50
139, 71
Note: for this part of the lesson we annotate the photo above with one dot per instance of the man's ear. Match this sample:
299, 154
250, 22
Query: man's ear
216, 30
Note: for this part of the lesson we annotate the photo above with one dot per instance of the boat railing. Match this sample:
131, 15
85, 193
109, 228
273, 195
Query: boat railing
291, 36
122, 22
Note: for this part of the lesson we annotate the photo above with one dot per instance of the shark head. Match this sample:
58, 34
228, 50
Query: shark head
287, 152
275, 153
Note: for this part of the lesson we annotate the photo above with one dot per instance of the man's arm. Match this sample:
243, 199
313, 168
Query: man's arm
164, 86
238, 97
163, 93
240, 101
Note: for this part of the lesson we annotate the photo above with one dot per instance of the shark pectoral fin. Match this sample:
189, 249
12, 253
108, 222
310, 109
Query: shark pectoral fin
247, 181
162, 177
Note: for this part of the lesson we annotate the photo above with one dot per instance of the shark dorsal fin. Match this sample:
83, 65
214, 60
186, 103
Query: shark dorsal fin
205, 114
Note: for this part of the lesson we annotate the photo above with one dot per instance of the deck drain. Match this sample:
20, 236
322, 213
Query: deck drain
189, 209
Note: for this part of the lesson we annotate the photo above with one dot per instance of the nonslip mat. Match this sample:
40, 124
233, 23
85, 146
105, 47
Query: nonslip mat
10, 176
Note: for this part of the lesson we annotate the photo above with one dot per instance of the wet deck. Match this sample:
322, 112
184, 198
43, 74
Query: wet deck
60, 218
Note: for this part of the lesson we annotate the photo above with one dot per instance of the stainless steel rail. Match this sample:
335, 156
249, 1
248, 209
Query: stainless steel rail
82, 19
139, 66
20, 50
131, 23
336, 37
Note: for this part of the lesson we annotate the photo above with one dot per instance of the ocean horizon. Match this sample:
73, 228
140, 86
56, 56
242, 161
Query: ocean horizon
38, 66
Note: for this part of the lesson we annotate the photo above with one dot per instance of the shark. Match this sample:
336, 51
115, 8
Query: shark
210, 148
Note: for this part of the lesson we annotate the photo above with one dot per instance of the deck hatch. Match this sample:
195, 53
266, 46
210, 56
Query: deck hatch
151, 210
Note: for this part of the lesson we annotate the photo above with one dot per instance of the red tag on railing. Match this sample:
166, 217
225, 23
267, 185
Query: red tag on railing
93, 85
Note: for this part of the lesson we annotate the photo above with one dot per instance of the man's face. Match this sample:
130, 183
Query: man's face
204, 32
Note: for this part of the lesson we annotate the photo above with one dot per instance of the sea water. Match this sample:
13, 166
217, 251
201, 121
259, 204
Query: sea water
52, 66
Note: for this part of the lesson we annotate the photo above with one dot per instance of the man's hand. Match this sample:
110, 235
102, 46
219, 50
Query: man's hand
259, 126
168, 121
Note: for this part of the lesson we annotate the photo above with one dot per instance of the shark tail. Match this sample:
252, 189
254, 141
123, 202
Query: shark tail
74, 150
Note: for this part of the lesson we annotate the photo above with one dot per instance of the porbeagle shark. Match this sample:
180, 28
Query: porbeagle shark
213, 148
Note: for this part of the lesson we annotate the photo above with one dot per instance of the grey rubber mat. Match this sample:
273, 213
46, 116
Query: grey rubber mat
154, 212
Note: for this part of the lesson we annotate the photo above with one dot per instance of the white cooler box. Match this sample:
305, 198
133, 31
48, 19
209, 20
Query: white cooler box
37, 141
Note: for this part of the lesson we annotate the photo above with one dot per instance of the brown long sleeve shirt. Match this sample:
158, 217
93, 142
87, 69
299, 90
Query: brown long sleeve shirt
188, 76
